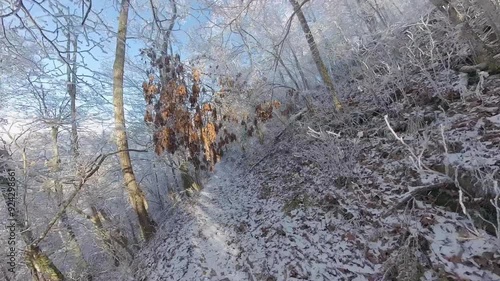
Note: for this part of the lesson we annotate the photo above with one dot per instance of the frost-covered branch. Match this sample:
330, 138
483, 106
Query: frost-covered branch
94, 167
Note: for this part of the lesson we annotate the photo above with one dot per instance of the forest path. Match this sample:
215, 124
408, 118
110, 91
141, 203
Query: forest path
223, 206
230, 233
206, 244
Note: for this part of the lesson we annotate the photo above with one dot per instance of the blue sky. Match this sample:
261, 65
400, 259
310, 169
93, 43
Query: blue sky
101, 60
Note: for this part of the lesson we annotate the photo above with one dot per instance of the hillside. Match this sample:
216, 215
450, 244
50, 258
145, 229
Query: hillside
319, 206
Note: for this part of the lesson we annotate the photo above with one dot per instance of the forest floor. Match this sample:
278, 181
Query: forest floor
334, 208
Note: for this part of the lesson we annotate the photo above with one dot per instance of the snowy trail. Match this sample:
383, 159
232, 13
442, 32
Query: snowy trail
229, 234
206, 244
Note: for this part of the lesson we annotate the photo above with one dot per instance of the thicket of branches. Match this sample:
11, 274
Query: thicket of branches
251, 73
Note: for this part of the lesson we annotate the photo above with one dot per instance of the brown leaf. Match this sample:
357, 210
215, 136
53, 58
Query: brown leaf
349, 236
454, 259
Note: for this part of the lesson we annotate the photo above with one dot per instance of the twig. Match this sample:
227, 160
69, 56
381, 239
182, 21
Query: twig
417, 160
457, 184
292, 119
288, 25
320, 134
94, 168
473, 68
417, 191
14, 10
88, 10
495, 204
447, 161
413, 156
464, 209
258, 162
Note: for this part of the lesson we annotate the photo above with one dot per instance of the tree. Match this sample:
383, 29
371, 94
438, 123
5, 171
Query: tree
371, 14
46, 55
136, 195
327, 80
41, 266
54, 118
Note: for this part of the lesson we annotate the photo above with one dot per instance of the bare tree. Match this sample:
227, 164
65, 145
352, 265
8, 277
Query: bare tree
40, 265
136, 195
327, 80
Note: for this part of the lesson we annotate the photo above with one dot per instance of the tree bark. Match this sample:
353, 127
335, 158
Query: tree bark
367, 17
171, 164
327, 80
280, 60
55, 162
41, 266
136, 195
189, 182
109, 238
69, 236
370, 19
71, 82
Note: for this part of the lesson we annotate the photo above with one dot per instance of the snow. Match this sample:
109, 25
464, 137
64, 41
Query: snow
308, 212
495, 119
228, 233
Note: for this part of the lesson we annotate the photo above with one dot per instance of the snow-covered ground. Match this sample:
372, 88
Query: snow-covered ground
202, 240
327, 209
228, 233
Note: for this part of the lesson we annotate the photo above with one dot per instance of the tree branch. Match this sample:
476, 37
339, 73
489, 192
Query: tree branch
94, 168
88, 11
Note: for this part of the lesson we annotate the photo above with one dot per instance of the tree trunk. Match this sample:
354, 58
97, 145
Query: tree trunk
69, 236
171, 164
288, 72
71, 82
368, 18
40, 265
189, 182
108, 237
280, 60
365, 6
136, 196
327, 80
113, 235
70, 240
55, 162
